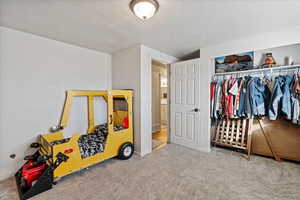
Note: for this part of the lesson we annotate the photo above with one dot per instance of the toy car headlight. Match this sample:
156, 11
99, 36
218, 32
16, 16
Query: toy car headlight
55, 128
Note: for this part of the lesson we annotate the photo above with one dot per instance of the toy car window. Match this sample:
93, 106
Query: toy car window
100, 110
78, 119
120, 115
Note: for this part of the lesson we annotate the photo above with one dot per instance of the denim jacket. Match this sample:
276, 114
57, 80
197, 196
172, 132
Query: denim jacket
276, 98
295, 102
286, 99
259, 97
281, 97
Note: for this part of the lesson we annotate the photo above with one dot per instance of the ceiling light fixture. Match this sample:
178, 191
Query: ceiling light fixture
144, 9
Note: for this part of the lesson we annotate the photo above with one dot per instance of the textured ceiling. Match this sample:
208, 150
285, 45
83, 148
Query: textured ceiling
180, 26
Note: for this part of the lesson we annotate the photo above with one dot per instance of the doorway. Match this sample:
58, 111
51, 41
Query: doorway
159, 105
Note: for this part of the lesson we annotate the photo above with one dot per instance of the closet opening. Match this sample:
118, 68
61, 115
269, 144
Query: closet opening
159, 105
255, 102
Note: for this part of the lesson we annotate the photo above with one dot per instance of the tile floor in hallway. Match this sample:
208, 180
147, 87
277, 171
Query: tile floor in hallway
176, 172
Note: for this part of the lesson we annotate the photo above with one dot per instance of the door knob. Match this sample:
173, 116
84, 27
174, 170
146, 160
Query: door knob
196, 110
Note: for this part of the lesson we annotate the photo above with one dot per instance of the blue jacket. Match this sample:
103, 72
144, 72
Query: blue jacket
259, 97
286, 99
281, 97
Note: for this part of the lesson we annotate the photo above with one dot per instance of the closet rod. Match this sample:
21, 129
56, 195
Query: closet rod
259, 70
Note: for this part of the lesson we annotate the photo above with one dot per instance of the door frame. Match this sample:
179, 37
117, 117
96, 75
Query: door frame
147, 55
159, 93
168, 98
169, 101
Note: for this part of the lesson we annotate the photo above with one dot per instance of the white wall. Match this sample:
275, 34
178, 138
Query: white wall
253, 43
279, 54
125, 75
147, 55
35, 72
132, 70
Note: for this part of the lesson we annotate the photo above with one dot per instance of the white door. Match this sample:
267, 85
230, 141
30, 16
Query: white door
185, 103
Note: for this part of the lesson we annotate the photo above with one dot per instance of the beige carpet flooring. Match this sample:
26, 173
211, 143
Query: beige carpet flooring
156, 143
175, 172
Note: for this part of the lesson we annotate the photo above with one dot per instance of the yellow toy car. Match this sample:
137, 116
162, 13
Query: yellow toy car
58, 156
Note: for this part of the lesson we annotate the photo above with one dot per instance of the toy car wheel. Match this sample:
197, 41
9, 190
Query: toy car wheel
126, 151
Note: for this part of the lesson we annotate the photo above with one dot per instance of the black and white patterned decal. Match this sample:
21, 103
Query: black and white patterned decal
91, 144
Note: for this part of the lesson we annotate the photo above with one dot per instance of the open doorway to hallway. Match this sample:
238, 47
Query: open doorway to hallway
160, 107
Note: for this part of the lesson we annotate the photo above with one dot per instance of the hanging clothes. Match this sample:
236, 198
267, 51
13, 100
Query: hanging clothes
238, 96
234, 89
225, 99
286, 99
295, 100
242, 100
212, 95
259, 97
281, 98
217, 110
249, 97
276, 98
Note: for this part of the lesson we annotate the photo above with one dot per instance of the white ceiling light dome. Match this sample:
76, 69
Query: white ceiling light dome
144, 9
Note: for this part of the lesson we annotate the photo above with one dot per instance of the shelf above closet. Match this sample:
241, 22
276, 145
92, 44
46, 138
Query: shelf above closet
259, 70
